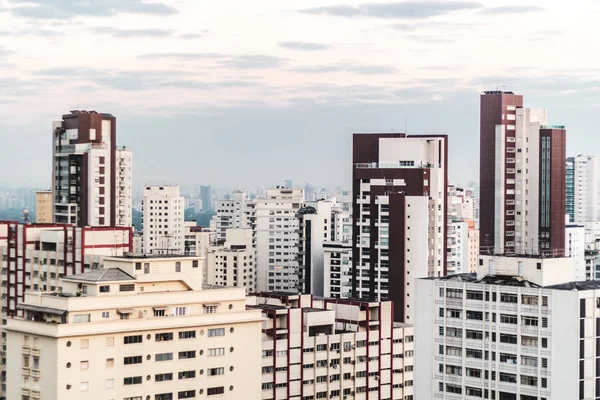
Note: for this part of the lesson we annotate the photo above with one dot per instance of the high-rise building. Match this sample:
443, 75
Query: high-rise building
163, 220
333, 349
206, 197
337, 269
582, 189
116, 333
277, 240
43, 207
519, 329
575, 248
400, 186
235, 213
197, 240
522, 178
91, 178
233, 262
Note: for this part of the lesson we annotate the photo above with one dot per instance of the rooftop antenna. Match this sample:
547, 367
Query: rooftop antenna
405, 130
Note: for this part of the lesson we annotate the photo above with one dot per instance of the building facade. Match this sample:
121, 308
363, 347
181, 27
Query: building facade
43, 207
582, 189
511, 332
163, 220
235, 213
127, 334
400, 187
522, 178
337, 269
233, 263
277, 240
88, 185
331, 349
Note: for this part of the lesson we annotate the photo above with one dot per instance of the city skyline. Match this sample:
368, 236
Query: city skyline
280, 94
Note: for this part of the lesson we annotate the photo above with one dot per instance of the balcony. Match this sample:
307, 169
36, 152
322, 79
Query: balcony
35, 351
35, 373
35, 394
26, 350
25, 391
25, 371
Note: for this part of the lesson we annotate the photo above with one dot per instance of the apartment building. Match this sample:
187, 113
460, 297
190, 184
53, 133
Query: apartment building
522, 178
519, 329
163, 220
122, 333
400, 195
91, 178
43, 207
333, 349
315, 227
575, 248
337, 269
236, 213
277, 240
582, 189
233, 263
196, 239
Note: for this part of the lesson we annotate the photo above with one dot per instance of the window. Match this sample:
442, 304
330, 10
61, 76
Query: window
180, 311
105, 314
217, 351
473, 372
508, 358
84, 386
504, 377
476, 315
104, 289
84, 365
216, 332
132, 360
127, 288
164, 337
163, 377
474, 295
476, 335
79, 318
508, 298
506, 338
164, 396
109, 383
529, 300
529, 321
529, 361
528, 380
184, 355
453, 351
187, 335
453, 389
508, 319
529, 341
210, 309
454, 332
159, 312
110, 341
163, 357
132, 380
453, 370
110, 362
454, 293
215, 371
132, 339
450, 313
186, 394
85, 343
472, 353
187, 374
215, 390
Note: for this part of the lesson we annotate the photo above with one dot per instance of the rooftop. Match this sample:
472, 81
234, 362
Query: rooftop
139, 256
581, 285
488, 280
102, 275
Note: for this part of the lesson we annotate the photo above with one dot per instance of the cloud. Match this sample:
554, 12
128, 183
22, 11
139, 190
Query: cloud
429, 39
412, 9
131, 33
248, 61
352, 68
67, 9
5, 52
304, 46
514, 9
198, 35
31, 32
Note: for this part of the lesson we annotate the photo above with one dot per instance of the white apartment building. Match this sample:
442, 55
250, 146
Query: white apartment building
518, 330
91, 177
575, 248
122, 333
585, 189
163, 220
337, 269
315, 227
124, 182
237, 212
473, 247
333, 349
458, 247
277, 240
233, 262
400, 186
197, 240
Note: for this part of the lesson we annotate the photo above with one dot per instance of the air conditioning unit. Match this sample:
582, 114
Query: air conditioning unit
376, 377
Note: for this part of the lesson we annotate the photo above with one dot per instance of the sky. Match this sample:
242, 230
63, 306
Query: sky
248, 93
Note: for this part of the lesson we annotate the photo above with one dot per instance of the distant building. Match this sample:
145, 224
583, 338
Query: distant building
43, 207
582, 189
197, 240
91, 177
116, 332
337, 269
163, 220
277, 240
233, 263
333, 349
236, 213
206, 197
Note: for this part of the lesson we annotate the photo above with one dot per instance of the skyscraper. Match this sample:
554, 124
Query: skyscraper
400, 186
522, 178
91, 178
163, 220
206, 197
582, 189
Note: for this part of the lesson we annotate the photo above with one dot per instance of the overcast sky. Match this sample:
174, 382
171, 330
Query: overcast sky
242, 93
